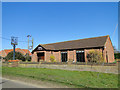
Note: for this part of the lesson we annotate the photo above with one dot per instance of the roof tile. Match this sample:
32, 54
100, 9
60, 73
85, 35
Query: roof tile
80, 43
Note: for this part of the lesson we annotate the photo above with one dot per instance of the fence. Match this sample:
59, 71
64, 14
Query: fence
96, 67
72, 63
74, 67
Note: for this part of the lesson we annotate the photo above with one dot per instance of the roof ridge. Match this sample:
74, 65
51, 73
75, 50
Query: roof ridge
7, 49
11, 49
15, 48
74, 40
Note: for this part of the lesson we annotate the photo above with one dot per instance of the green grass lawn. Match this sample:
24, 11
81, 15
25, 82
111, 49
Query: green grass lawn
78, 79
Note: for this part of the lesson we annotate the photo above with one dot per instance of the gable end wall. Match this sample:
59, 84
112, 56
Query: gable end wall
110, 51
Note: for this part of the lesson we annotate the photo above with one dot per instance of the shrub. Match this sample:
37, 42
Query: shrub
52, 58
18, 56
13, 60
94, 56
0, 57
27, 57
117, 55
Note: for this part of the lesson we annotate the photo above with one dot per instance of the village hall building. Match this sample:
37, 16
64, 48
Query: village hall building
74, 50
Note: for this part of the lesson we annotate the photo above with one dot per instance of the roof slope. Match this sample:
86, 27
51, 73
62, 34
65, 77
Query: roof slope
9, 50
80, 43
26, 51
0, 52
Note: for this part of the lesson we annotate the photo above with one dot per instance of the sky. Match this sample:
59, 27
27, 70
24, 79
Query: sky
50, 22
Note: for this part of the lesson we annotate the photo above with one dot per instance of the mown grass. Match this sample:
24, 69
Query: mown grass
78, 79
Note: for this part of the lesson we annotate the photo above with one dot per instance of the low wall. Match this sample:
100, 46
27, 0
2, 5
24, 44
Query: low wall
102, 68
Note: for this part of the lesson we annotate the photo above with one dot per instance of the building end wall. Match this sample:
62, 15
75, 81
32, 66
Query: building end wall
34, 57
109, 51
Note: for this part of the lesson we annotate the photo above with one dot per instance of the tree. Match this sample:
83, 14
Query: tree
18, 56
94, 56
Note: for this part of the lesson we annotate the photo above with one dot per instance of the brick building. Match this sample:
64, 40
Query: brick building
4, 52
74, 50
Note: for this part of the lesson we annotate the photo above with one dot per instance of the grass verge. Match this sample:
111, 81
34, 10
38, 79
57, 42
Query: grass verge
77, 79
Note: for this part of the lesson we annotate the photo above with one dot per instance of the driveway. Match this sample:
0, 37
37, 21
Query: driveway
7, 83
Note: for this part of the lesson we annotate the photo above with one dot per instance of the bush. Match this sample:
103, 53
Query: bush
27, 57
18, 56
52, 58
94, 56
117, 55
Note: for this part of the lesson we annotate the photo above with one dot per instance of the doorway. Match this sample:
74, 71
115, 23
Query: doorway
106, 57
40, 56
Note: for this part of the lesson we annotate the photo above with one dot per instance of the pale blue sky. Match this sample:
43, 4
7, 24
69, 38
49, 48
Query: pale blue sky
55, 22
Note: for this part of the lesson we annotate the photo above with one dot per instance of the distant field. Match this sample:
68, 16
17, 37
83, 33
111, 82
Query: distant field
78, 79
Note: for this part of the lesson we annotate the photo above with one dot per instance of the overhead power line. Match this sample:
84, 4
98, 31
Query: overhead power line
10, 39
22, 41
114, 31
5, 38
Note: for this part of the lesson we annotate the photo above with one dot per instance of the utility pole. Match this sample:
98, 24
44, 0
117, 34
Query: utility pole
28, 42
14, 52
14, 42
30, 47
32, 43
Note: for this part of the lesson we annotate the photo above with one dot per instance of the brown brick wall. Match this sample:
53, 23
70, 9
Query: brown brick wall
109, 50
47, 56
59, 56
74, 51
56, 54
34, 57
70, 55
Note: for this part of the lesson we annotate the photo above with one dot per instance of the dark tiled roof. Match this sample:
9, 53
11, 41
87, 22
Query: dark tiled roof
80, 43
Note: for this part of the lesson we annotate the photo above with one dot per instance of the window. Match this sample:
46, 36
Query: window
39, 48
64, 56
80, 56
